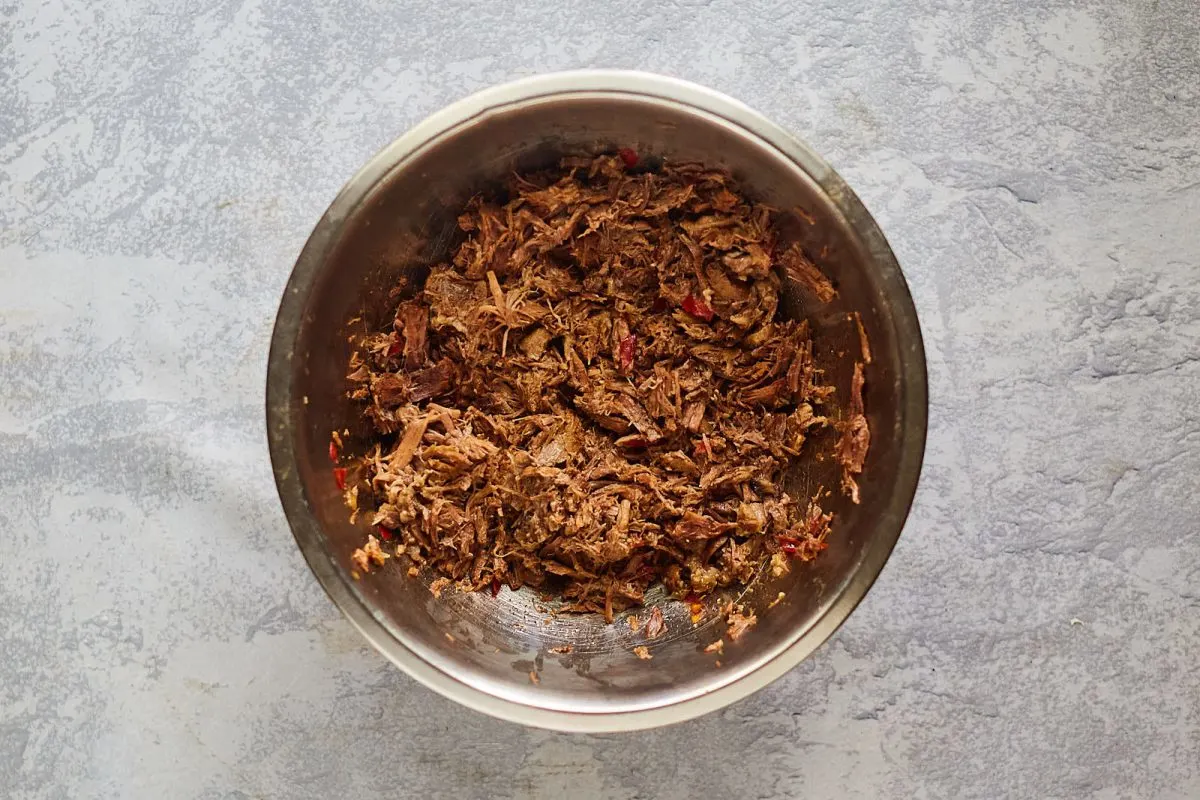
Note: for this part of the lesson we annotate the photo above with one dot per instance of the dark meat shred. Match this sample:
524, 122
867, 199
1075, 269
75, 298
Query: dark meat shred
863, 343
738, 622
412, 320
656, 626
855, 438
597, 393
800, 268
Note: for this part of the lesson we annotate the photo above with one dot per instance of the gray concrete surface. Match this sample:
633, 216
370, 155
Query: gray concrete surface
1036, 166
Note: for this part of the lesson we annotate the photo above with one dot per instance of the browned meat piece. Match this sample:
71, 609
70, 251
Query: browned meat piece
450, 295
739, 623
596, 392
604, 411
534, 343
637, 416
751, 518
771, 395
390, 390
856, 437
404, 451
695, 526
360, 560
412, 320
655, 626
800, 268
863, 344
678, 461
369, 554
750, 262
432, 381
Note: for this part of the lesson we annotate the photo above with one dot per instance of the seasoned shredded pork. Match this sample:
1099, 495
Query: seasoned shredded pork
596, 393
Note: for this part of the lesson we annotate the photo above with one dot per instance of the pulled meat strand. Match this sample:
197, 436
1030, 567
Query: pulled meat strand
863, 342
856, 437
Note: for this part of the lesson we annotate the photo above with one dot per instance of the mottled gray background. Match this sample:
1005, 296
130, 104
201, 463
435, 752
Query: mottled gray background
1036, 166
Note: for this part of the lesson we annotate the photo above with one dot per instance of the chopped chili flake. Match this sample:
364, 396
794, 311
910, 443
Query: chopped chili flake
628, 348
339, 477
393, 348
629, 156
495, 586
384, 533
333, 452
789, 545
659, 305
697, 308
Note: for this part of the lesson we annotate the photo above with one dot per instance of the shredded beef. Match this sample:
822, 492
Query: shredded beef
596, 393
656, 626
738, 622
855, 438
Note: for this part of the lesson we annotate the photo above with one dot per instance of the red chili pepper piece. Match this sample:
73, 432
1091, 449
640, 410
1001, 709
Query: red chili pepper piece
659, 305
384, 533
789, 545
700, 450
628, 348
393, 348
629, 156
333, 451
495, 586
697, 308
339, 477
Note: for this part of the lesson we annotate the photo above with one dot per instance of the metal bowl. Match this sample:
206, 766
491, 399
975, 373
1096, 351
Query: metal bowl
397, 215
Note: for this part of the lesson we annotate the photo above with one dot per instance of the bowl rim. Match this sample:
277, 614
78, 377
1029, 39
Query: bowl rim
280, 432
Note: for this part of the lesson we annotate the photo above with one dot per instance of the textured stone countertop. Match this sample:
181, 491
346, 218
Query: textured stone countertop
1035, 165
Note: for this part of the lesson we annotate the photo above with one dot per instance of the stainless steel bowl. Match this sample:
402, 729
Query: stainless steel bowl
397, 215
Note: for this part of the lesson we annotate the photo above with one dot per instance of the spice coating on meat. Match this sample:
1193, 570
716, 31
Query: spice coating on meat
596, 392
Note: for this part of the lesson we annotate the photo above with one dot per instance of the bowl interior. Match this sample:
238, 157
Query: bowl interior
403, 218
